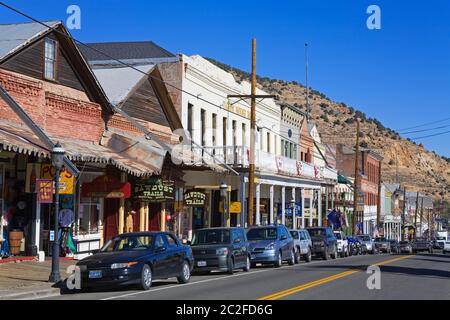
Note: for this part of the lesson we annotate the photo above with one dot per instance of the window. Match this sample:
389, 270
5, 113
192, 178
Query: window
159, 242
50, 59
203, 127
171, 241
214, 127
224, 131
88, 215
190, 120
244, 135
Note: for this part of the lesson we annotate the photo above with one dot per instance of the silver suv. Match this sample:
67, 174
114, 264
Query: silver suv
368, 242
302, 245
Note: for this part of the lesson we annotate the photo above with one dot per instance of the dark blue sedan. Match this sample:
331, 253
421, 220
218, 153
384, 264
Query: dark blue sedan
137, 259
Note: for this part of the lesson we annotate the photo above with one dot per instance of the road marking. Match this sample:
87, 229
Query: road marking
287, 292
220, 277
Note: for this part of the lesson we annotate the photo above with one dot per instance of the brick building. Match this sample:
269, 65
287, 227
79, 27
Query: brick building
368, 184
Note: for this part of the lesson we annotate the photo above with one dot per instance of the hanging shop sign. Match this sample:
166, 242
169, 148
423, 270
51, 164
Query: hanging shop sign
155, 191
44, 188
194, 198
33, 173
235, 207
106, 187
66, 178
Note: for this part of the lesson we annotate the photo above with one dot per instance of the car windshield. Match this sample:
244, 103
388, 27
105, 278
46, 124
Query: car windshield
364, 238
128, 243
317, 232
440, 238
380, 240
404, 242
213, 236
262, 234
338, 235
294, 234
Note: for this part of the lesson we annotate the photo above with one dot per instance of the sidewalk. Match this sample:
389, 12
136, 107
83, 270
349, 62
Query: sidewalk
29, 279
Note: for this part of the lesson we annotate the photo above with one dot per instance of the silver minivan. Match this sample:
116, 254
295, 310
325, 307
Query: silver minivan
302, 244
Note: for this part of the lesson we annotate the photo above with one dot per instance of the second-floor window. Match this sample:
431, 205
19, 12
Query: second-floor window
50, 59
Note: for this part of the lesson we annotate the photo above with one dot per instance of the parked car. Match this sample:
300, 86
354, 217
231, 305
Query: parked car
220, 249
405, 247
382, 245
324, 242
302, 245
271, 244
342, 243
137, 259
446, 247
422, 244
395, 246
440, 239
368, 242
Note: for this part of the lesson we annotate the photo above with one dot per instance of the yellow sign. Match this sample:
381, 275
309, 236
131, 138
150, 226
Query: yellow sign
235, 207
66, 179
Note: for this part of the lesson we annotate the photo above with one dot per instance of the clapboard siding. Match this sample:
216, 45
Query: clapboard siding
30, 62
144, 105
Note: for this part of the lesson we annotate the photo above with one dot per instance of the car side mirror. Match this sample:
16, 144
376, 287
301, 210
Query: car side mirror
283, 237
237, 240
160, 249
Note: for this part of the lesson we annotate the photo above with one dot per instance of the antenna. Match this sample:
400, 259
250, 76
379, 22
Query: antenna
307, 86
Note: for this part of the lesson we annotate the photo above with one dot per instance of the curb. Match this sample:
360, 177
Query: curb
31, 295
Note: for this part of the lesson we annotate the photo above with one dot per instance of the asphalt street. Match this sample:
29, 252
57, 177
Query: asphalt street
422, 276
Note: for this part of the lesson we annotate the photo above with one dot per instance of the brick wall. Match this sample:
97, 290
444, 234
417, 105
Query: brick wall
60, 111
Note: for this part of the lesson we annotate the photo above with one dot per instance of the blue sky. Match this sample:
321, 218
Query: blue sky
399, 74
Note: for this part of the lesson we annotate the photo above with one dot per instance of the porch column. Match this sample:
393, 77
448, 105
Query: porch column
123, 178
311, 198
332, 199
258, 209
302, 193
294, 218
141, 216
319, 208
283, 204
242, 198
100, 221
147, 226
327, 190
163, 217
271, 221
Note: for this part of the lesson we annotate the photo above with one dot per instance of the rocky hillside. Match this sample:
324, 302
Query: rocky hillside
404, 161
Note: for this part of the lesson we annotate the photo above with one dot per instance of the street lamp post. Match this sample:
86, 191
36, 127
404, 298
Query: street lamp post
58, 161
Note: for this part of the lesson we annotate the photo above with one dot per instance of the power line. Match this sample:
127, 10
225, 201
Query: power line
424, 130
431, 135
424, 125
134, 68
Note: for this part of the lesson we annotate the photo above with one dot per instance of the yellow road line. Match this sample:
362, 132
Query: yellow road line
287, 292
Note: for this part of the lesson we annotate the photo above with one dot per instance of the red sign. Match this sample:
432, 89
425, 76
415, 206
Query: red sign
44, 188
106, 187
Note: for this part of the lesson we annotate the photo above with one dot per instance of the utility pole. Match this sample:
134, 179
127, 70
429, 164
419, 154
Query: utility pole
403, 214
355, 189
421, 217
251, 169
379, 196
415, 215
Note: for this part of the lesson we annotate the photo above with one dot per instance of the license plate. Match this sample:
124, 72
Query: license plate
95, 274
201, 263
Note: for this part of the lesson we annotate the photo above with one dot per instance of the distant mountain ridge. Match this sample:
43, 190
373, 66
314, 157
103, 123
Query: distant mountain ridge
404, 160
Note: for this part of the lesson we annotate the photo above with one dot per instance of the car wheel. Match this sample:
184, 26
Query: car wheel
278, 262
146, 277
185, 273
297, 256
308, 256
230, 266
335, 254
325, 254
248, 265
291, 260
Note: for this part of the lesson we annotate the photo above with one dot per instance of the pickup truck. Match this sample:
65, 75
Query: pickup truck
342, 243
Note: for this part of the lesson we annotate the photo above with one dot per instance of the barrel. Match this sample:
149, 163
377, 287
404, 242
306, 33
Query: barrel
15, 239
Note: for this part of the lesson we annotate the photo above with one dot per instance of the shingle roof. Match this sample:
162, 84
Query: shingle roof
130, 52
15, 36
